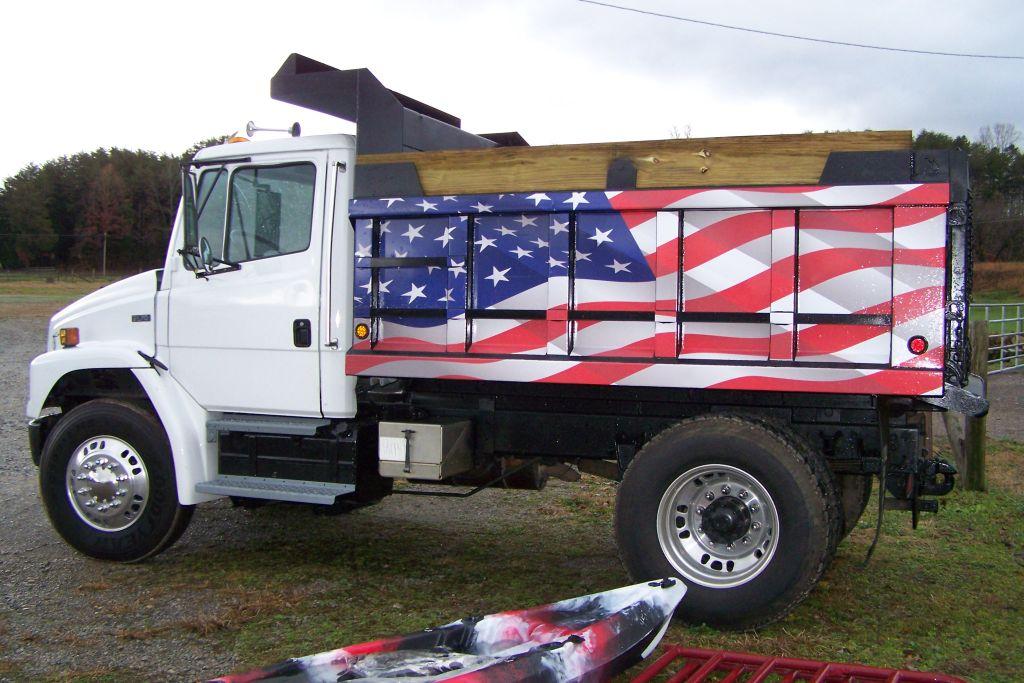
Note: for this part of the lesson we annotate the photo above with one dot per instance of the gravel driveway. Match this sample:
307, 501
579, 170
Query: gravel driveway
52, 617
59, 612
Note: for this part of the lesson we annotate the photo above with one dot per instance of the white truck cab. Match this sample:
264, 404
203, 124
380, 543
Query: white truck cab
193, 342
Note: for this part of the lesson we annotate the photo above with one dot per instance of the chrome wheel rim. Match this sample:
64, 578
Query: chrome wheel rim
107, 483
718, 526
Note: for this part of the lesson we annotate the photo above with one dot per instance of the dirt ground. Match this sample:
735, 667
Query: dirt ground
64, 615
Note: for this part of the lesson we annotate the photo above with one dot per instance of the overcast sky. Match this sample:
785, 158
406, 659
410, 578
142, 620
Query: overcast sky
80, 75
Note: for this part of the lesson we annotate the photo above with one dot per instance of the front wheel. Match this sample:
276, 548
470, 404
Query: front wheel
107, 480
740, 510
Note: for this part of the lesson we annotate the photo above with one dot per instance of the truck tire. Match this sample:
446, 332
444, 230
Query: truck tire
854, 496
107, 481
739, 509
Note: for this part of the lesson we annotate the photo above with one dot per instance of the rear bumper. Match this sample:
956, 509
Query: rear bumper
970, 400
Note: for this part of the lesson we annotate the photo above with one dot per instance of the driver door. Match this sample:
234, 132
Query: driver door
243, 335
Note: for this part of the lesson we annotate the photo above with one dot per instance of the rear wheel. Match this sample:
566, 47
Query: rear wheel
738, 509
107, 481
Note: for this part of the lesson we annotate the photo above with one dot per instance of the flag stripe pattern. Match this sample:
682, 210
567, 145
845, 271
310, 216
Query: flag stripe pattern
780, 288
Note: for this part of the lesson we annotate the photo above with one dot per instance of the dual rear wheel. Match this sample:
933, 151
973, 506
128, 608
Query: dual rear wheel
743, 511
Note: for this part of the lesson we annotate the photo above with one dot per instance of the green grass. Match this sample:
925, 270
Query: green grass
32, 294
997, 296
947, 597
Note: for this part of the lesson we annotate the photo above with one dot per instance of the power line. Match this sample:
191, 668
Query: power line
804, 38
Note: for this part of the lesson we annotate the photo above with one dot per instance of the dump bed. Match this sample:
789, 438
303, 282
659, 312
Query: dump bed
838, 288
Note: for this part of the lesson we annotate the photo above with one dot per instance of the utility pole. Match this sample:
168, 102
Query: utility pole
104, 253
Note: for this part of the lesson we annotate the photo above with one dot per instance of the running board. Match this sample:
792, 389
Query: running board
290, 490
263, 424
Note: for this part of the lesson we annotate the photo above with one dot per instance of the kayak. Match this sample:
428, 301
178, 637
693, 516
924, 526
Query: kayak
585, 639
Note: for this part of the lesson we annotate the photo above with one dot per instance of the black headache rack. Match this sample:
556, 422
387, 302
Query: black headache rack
386, 121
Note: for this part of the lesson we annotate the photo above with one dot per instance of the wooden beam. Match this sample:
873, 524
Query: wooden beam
694, 162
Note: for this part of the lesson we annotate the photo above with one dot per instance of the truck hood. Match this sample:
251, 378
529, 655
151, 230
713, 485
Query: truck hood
122, 310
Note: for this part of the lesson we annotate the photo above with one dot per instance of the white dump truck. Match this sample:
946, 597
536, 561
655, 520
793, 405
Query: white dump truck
742, 331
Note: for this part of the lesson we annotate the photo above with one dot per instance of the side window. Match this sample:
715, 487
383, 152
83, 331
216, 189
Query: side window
210, 204
270, 212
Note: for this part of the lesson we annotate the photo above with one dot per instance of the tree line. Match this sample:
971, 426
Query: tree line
997, 188
58, 214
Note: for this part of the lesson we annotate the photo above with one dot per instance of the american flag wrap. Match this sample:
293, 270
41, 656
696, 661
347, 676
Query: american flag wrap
778, 288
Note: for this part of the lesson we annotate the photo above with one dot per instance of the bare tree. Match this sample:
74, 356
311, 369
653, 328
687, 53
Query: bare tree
999, 135
676, 134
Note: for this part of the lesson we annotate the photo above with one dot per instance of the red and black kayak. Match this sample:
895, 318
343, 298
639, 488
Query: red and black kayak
585, 639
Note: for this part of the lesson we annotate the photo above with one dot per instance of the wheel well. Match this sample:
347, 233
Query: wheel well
79, 386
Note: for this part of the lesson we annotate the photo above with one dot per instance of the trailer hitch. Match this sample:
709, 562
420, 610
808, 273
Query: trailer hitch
936, 477
907, 481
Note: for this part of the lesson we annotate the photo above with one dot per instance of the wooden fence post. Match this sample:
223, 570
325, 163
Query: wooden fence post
974, 441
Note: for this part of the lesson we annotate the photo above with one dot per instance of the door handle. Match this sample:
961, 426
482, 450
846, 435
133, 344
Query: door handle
302, 334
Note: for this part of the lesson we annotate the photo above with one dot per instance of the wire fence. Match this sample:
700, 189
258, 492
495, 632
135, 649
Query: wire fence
1005, 334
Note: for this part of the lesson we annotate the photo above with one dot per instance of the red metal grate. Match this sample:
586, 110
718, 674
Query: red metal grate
693, 665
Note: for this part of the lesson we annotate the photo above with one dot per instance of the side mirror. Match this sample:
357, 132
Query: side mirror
206, 253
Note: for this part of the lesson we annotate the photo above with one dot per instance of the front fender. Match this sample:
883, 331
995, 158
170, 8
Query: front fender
46, 369
183, 419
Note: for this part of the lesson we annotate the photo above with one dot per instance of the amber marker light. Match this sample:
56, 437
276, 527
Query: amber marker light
68, 336
362, 331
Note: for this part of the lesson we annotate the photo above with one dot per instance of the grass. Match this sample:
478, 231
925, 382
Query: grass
25, 295
998, 282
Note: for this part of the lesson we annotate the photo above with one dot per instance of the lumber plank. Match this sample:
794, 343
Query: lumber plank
693, 162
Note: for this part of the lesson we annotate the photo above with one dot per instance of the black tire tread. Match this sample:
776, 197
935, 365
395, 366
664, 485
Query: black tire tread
816, 467
182, 514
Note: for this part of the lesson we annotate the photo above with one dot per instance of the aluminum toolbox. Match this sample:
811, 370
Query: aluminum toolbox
419, 450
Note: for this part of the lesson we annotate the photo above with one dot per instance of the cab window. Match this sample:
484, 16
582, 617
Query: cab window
270, 211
